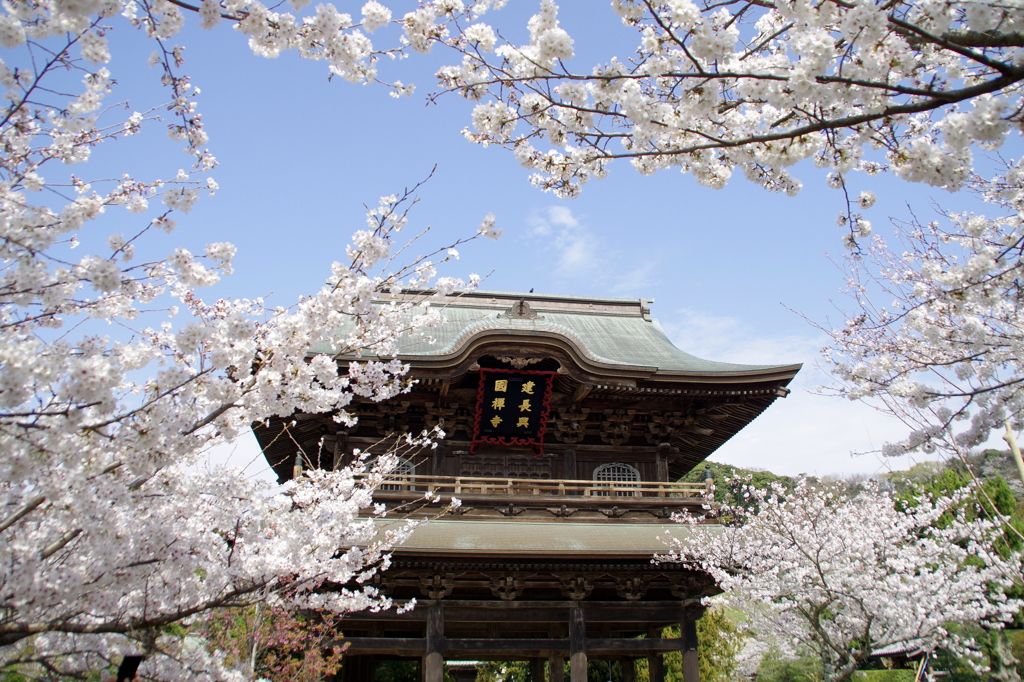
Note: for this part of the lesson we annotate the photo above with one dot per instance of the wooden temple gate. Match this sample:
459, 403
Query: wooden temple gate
567, 638
567, 422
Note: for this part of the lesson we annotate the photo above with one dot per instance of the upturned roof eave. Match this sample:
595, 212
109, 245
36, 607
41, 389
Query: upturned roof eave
586, 360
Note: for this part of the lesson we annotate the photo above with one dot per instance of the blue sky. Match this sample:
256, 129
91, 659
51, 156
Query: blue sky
300, 156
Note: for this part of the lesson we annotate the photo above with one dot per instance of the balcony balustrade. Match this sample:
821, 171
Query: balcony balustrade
658, 498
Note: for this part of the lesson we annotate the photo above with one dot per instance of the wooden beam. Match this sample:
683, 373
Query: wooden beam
460, 611
506, 647
581, 392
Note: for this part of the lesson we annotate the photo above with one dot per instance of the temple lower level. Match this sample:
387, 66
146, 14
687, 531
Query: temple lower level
547, 592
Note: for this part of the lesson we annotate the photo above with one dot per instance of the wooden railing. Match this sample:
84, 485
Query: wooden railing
559, 488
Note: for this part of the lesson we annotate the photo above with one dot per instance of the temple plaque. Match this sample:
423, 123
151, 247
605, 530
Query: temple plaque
512, 408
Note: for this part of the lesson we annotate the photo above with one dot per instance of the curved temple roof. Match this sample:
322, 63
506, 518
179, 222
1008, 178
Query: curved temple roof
604, 332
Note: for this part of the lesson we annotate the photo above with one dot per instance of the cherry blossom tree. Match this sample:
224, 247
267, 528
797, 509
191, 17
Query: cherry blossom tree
752, 85
111, 529
844, 575
936, 332
116, 376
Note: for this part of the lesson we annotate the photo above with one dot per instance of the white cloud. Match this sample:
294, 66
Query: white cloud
804, 432
578, 255
582, 255
636, 282
562, 216
578, 251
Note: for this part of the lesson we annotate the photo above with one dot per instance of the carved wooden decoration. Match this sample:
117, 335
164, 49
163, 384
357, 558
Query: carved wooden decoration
506, 587
437, 586
576, 587
389, 419
617, 426
632, 587
570, 426
518, 363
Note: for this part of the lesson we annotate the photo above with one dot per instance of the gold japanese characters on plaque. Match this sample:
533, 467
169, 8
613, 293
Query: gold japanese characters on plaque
512, 408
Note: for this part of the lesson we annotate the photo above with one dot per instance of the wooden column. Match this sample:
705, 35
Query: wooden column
569, 465
628, 666
437, 460
339, 452
358, 668
577, 645
656, 666
661, 468
556, 669
536, 670
691, 665
655, 663
433, 657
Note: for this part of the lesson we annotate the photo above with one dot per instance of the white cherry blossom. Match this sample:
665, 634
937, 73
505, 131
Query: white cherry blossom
755, 86
934, 333
116, 376
842, 575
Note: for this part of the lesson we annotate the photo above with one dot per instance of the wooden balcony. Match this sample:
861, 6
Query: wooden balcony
514, 496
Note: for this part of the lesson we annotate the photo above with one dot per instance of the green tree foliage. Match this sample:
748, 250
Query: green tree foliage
719, 642
503, 671
397, 671
775, 668
729, 478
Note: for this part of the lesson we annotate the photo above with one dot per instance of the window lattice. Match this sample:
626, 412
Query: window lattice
616, 472
404, 468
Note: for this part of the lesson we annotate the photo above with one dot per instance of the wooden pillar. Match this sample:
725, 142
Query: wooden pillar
655, 663
688, 635
437, 460
628, 666
433, 657
358, 668
556, 669
569, 465
338, 453
661, 468
577, 645
656, 668
536, 670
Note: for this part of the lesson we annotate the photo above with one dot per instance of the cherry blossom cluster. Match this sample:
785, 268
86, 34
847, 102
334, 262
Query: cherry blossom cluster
841, 575
752, 86
936, 330
116, 376
112, 529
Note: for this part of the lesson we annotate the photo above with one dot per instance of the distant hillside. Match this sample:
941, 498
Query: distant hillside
725, 473
986, 465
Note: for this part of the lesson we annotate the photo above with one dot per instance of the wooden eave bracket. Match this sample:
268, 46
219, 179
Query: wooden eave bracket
582, 391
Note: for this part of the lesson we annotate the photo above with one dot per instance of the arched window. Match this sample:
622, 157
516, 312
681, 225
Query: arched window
616, 472
404, 467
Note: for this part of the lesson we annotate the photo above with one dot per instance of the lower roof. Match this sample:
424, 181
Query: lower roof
509, 538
